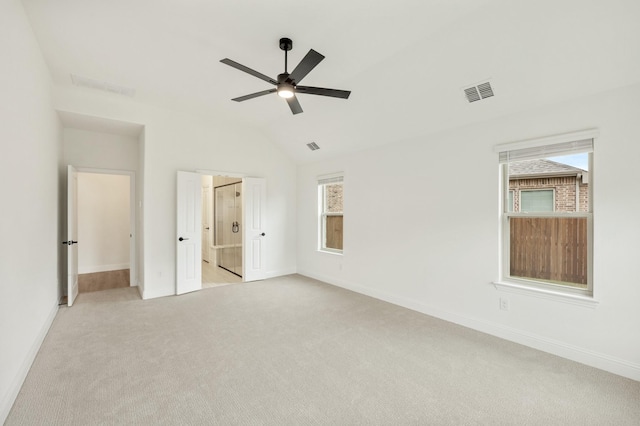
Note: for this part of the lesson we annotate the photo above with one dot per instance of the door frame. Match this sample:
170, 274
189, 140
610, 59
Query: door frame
133, 256
206, 251
71, 265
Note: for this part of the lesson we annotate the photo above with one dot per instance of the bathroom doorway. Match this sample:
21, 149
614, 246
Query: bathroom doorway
221, 230
189, 232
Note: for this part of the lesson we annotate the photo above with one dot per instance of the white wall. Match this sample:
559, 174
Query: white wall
30, 140
103, 222
90, 149
421, 230
177, 141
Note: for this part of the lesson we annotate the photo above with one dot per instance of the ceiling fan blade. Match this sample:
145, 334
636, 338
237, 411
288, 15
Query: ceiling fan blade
307, 63
334, 93
253, 95
294, 105
248, 70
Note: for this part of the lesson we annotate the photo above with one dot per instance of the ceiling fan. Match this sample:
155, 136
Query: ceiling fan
287, 84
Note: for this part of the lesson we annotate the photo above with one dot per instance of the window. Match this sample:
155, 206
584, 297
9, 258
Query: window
547, 219
537, 200
331, 200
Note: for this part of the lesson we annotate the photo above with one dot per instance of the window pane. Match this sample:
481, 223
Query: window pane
333, 232
567, 176
549, 249
536, 201
333, 198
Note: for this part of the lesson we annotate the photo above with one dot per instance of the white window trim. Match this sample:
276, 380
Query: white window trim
549, 140
534, 288
321, 182
526, 289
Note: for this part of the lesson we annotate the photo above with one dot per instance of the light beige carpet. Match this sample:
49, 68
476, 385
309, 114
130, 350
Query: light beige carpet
294, 351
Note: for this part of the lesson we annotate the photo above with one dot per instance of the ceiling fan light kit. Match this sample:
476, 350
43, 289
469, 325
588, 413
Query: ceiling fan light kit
284, 88
287, 84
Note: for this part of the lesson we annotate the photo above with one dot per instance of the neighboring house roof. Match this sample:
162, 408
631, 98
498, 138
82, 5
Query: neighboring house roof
542, 167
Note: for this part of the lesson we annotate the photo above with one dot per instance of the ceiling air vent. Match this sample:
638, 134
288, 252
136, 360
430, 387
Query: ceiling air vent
313, 146
485, 90
478, 92
472, 94
102, 85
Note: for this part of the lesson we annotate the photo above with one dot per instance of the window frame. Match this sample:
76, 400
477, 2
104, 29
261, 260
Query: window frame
540, 149
322, 183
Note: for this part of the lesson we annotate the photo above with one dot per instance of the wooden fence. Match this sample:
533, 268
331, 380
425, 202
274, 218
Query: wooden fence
334, 232
553, 249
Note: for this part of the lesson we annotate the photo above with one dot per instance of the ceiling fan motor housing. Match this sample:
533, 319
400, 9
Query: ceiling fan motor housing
284, 79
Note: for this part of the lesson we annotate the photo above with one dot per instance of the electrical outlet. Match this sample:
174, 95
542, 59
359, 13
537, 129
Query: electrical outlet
504, 304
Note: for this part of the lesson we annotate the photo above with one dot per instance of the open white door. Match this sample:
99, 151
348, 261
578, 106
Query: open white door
253, 244
189, 238
206, 221
72, 235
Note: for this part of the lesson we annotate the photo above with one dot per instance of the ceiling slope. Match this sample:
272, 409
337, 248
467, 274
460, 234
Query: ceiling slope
406, 62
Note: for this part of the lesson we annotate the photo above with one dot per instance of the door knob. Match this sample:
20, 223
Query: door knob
182, 239
263, 234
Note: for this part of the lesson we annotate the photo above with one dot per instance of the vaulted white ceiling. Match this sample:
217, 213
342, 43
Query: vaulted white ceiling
405, 61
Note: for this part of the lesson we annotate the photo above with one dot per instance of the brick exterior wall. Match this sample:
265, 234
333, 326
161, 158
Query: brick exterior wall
565, 192
335, 198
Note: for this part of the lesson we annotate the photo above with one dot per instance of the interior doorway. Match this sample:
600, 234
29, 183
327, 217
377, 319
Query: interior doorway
106, 218
222, 226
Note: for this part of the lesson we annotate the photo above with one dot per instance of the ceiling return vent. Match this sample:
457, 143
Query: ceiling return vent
313, 146
102, 85
478, 92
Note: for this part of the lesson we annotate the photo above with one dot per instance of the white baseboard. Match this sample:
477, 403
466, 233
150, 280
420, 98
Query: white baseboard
140, 289
588, 357
102, 268
280, 273
147, 294
10, 397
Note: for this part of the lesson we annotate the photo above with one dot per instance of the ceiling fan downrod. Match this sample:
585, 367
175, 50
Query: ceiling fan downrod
286, 44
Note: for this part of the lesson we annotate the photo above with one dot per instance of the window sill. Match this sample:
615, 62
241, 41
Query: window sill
335, 253
574, 299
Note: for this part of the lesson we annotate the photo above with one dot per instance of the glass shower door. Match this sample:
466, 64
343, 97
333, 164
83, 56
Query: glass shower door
228, 231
